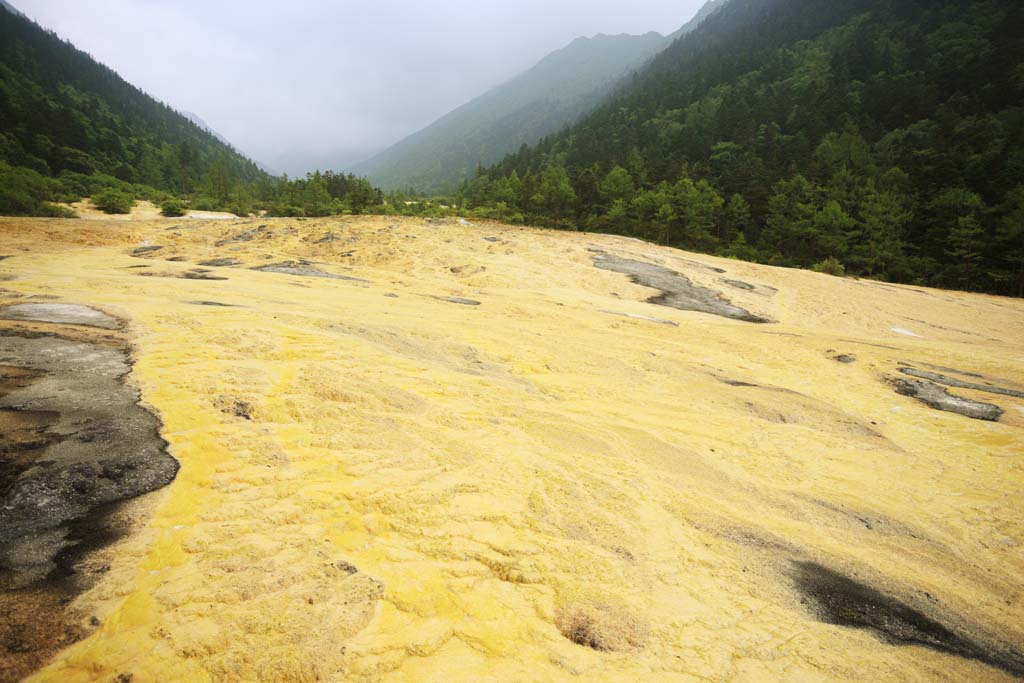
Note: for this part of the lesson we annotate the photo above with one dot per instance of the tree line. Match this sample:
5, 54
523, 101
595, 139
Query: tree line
870, 137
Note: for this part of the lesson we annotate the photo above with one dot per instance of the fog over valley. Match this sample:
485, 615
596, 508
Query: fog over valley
325, 84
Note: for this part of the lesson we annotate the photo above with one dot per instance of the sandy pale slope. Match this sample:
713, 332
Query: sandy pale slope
484, 458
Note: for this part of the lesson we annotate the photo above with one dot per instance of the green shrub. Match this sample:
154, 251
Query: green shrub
499, 212
205, 204
285, 211
70, 187
113, 201
16, 201
22, 191
145, 192
830, 266
172, 208
55, 211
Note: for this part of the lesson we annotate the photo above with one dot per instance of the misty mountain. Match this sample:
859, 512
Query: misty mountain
709, 8
61, 111
195, 118
559, 89
554, 93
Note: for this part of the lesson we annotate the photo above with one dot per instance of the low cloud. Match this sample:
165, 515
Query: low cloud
323, 83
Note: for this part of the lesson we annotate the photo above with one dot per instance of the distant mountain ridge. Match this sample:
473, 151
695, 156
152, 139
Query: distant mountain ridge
553, 94
196, 119
709, 8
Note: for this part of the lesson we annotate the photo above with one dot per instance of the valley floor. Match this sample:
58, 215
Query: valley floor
416, 450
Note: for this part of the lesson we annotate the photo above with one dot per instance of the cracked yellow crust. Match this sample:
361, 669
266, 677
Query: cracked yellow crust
503, 473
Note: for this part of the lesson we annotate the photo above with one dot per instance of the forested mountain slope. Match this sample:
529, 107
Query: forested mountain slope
563, 86
883, 137
63, 114
10, 8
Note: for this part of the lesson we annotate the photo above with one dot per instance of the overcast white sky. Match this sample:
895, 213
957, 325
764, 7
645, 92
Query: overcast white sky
307, 83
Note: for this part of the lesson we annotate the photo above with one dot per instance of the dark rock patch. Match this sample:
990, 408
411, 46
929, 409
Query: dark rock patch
40, 618
65, 314
739, 284
236, 407
201, 275
735, 382
74, 445
840, 600
303, 269
458, 300
328, 238
346, 567
245, 236
102, 445
676, 290
4, 257
391, 295
959, 383
142, 251
211, 303
934, 396
195, 274
940, 368
845, 358
489, 239
221, 262
177, 259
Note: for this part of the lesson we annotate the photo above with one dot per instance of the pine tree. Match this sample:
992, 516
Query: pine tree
1010, 242
735, 219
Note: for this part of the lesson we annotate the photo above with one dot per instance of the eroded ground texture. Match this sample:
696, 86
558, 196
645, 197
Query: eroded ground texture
438, 451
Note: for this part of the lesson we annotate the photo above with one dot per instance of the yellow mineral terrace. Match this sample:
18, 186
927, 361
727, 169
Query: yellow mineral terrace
435, 450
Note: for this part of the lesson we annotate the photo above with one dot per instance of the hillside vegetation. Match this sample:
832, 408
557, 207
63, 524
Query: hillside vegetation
64, 115
554, 93
871, 137
70, 128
